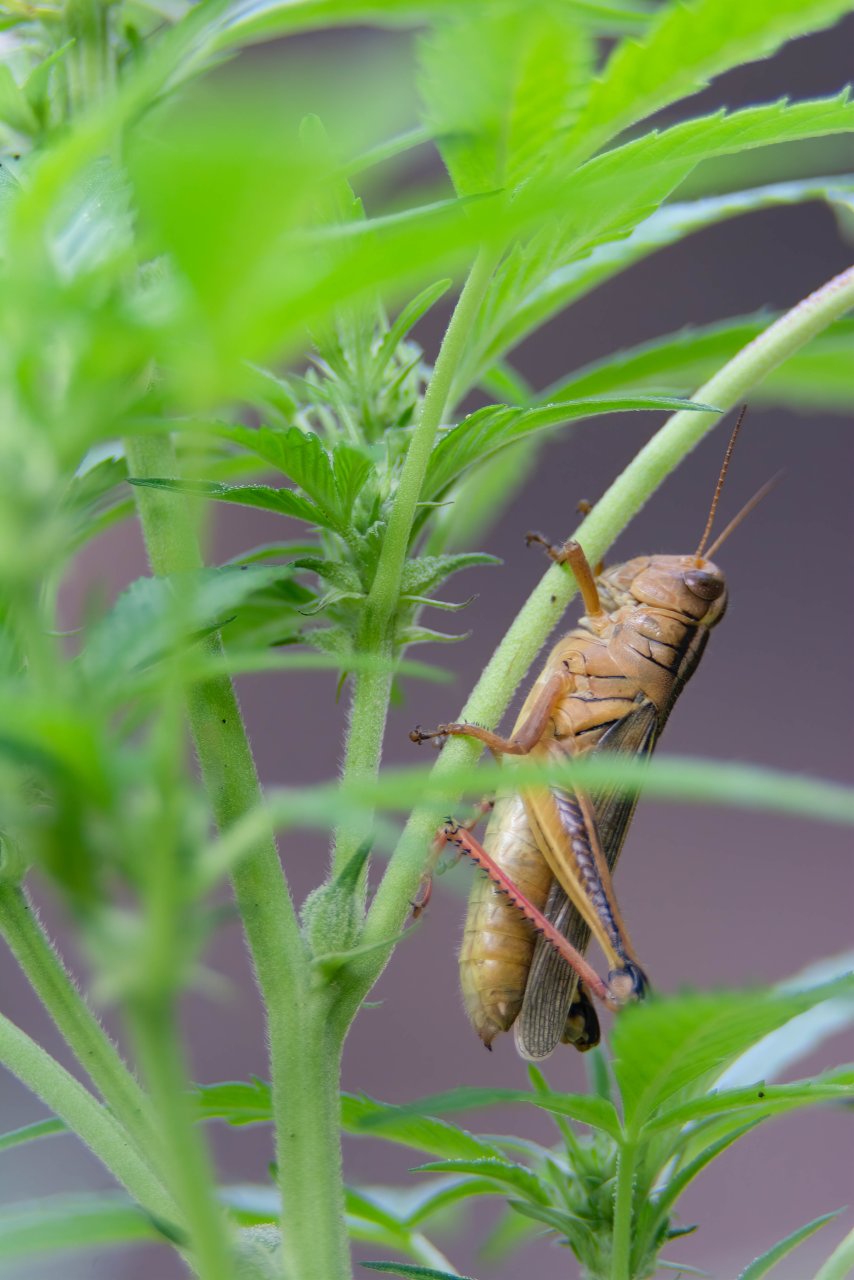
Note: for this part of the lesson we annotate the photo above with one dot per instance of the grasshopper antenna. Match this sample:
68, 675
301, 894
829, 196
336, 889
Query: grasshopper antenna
743, 513
698, 554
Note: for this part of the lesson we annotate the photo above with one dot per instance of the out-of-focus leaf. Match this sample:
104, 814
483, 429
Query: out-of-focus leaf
668, 1045
587, 1110
421, 1132
671, 223
777, 1052
238, 1102
59, 1223
150, 618
501, 87
31, 1133
267, 19
615, 192
683, 49
413, 1272
820, 375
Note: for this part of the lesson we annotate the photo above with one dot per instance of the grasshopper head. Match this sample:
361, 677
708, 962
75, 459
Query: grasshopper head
683, 585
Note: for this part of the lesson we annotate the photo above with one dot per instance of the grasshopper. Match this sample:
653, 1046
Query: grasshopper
550, 851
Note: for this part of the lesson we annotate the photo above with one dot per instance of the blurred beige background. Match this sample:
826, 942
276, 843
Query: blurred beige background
714, 897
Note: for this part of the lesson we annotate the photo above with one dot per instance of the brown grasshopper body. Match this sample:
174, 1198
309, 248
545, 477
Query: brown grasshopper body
609, 685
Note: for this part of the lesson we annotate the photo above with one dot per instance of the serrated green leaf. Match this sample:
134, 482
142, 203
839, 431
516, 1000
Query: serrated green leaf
341, 575
283, 501
494, 427
500, 85
820, 375
351, 470
64, 1222
423, 573
685, 48
763, 1264
669, 1044
614, 192
506, 1172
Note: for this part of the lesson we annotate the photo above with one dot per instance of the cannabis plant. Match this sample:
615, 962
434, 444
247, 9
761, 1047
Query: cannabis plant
218, 269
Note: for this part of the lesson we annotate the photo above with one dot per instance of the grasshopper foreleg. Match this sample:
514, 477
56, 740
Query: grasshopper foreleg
425, 887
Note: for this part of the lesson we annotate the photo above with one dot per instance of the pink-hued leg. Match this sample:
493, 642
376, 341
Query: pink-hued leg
467, 844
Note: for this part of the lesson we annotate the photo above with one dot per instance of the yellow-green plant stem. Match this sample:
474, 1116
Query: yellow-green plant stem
303, 1114
76, 1022
543, 609
372, 689
623, 1206
86, 1117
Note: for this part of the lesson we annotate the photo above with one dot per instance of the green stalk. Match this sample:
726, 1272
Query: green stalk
544, 607
382, 599
373, 688
76, 1022
83, 1115
304, 1115
89, 60
190, 1175
314, 1239
621, 1255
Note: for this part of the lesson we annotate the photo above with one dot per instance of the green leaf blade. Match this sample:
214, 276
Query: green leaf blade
768, 1260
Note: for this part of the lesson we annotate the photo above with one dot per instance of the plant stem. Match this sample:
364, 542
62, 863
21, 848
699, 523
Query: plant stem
372, 689
544, 607
304, 1115
315, 1239
156, 1037
382, 600
623, 1204
86, 1117
78, 1025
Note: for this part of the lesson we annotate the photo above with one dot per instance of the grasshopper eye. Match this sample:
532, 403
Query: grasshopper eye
707, 586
